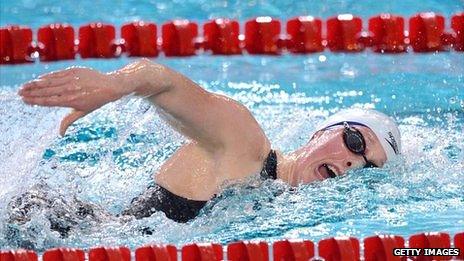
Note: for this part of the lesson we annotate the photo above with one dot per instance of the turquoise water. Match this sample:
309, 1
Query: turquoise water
109, 157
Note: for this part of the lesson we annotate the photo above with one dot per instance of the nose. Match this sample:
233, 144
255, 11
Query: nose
349, 163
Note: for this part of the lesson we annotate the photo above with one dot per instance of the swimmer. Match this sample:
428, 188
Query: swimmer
225, 144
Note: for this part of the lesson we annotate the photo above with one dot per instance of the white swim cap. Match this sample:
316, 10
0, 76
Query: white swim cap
383, 127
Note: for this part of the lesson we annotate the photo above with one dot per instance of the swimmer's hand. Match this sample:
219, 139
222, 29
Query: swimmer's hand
216, 123
82, 89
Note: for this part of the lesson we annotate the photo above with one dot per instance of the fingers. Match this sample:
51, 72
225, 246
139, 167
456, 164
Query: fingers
69, 119
35, 85
51, 91
55, 100
53, 79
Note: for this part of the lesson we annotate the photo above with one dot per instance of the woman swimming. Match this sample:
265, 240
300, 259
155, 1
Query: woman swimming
226, 144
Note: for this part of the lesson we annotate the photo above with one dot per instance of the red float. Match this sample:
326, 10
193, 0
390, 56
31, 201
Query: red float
381, 248
459, 243
202, 252
426, 31
179, 38
18, 255
343, 33
109, 254
262, 36
293, 250
248, 251
140, 39
339, 248
221, 36
430, 240
15, 44
64, 254
56, 42
305, 35
387, 33
97, 40
156, 253
457, 23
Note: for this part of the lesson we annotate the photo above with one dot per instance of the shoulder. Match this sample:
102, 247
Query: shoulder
245, 148
243, 134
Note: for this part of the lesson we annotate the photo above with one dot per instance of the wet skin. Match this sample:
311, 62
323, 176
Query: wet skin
225, 144
326, 156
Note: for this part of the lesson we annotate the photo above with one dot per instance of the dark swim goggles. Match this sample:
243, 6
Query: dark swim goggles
354, 141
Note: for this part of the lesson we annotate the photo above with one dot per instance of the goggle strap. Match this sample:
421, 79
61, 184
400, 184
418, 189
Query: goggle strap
343, 124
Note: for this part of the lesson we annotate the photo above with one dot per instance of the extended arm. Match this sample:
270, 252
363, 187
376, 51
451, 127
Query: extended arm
214, 121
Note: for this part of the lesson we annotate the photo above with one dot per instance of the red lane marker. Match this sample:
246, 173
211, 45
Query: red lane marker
381, 248
140, 39
179, 38
430, 240
387, 33
109, 254
202, 252
293, 250
252, 251
305, 35
343, 33
262, 36
426, 31
221, 36
63, 254
156, 253
18, 255
339, 248
459, 243
15, 44
96, 40
457, 23
56, 42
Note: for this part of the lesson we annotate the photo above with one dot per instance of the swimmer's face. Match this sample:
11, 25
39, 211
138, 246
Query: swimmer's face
326, 155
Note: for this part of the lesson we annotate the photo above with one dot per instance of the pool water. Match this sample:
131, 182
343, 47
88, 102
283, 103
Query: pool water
109, 157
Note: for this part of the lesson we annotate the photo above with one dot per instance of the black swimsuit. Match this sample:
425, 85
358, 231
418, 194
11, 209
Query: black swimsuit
69, 214
177, 208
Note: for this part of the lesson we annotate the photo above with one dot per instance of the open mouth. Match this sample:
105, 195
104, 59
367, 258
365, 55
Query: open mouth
326, 171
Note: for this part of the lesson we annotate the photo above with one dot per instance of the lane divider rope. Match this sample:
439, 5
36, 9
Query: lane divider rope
379, 247
305, 34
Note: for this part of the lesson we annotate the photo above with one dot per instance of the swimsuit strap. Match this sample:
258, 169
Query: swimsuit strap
269, 170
